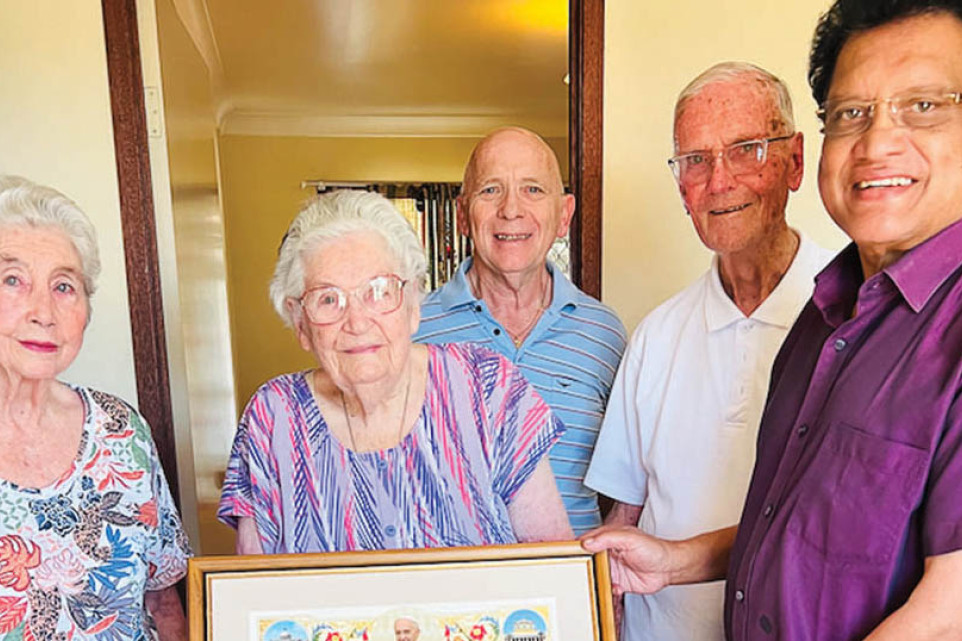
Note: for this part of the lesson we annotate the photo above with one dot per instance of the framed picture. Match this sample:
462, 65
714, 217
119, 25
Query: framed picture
528, 592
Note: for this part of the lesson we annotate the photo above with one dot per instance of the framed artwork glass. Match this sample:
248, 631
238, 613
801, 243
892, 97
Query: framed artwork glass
528, 592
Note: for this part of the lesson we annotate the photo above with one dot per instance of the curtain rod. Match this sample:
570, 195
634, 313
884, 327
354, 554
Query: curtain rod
342, 184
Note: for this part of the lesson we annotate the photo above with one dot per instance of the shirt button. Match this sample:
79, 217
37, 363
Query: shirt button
390, 530
840, 344
477, 308
802, 430
739, 595
497, 332
381, 464
768, 510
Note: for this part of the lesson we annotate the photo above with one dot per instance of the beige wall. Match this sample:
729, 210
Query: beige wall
261, 179
652, 50
55, 128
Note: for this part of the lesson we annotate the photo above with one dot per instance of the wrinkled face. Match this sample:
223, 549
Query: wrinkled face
513, 205
362, 347
406, 630
735, 213
43, 305
890, 188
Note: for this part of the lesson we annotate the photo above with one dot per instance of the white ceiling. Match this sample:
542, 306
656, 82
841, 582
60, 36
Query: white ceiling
383, 67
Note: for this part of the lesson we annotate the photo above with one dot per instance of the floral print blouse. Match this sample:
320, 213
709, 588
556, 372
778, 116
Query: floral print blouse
77, 556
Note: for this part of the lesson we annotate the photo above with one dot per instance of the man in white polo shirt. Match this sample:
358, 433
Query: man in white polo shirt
677, 444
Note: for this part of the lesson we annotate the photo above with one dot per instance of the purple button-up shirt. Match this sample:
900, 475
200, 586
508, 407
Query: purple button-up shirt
858, 474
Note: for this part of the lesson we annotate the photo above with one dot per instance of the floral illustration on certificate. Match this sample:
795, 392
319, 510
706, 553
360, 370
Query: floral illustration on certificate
487, 621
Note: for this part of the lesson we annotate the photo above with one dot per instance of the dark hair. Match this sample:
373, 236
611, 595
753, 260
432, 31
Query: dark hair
849, 17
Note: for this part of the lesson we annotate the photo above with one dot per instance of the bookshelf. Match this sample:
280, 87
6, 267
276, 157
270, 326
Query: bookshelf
431, 210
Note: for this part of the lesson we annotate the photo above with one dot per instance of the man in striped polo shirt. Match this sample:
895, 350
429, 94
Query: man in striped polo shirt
509, 298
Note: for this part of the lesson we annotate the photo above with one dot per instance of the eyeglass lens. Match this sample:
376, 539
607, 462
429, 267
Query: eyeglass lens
380, 295
740, 158
916, 111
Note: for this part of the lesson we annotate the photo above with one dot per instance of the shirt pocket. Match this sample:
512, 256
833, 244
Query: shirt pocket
855, 498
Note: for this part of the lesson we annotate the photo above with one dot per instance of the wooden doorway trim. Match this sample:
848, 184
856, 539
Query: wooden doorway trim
126, 84
585, 137
586, 65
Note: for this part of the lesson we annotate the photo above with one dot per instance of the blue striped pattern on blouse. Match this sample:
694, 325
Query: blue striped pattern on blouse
481, 432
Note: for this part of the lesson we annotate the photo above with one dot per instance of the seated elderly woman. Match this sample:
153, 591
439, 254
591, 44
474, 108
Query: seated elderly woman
90, 541
386, 444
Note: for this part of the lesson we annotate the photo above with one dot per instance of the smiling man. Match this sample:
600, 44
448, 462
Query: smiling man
852, 527
510, 298
677, 445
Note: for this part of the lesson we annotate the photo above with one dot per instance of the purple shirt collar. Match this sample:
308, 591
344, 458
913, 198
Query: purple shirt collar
916, 275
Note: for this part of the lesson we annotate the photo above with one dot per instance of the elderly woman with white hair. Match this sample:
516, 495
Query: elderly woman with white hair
386, 443
90, 542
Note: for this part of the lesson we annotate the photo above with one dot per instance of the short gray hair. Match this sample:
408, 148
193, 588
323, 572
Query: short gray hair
730, 71
331, 216
25, 203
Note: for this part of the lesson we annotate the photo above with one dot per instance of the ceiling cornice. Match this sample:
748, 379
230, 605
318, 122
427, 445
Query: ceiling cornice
259, 123
195, 17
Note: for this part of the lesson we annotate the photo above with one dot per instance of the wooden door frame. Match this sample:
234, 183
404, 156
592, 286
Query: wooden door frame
586, 65
586, 42
125, 80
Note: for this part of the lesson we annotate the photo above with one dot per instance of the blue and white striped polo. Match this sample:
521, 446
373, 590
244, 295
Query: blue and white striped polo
570, 357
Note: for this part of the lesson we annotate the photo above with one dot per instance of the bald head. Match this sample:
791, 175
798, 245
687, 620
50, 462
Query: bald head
512, 204
506, 137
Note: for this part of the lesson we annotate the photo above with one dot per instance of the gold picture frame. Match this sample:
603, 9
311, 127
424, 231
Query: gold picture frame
526, 592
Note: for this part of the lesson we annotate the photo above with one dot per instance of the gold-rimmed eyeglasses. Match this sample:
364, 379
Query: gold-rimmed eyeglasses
915, 110
327, 304
744, 157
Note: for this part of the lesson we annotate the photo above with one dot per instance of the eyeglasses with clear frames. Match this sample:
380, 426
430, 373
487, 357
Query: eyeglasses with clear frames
327, 304
695, 167
915, 110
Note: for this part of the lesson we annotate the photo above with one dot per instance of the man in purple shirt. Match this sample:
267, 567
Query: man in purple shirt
852, 527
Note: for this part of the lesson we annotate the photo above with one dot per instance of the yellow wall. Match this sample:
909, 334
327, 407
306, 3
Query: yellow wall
55, 128
261, 179
652, 50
